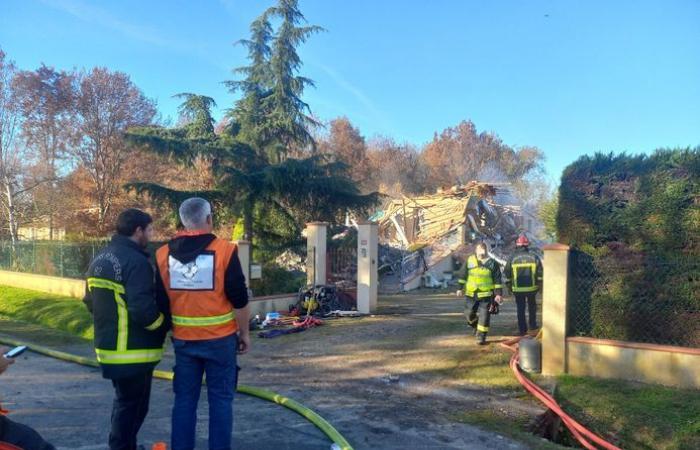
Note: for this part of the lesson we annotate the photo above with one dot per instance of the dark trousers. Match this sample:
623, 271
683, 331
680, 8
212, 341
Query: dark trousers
21, 436
523, 299
129, 410
478, 316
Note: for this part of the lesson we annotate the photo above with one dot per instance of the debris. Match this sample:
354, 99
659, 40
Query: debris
291, 261
417, 233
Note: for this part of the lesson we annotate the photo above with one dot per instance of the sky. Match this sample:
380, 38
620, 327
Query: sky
570, 77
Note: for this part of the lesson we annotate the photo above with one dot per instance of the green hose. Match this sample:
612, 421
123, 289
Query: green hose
321, 423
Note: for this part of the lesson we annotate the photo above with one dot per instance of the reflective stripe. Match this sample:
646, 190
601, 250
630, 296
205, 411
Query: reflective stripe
527, 289
122, 323
122, 312
105, 284
482, 328
128, 356
158, 322
484, 294
203, 321
533, 270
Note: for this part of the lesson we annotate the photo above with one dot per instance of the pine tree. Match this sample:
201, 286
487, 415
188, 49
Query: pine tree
255, 180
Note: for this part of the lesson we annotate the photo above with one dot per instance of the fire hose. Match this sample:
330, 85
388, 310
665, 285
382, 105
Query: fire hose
310, 415
582, 434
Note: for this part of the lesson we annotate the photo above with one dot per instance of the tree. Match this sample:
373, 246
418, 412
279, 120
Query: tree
548, 216
461, 154
345, 143
108, 104
12, 153
195, 115
289, 117
254, 179
395, 169
47, 99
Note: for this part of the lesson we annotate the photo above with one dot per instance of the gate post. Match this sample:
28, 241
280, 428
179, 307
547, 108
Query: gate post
554, 308
316, 252
367, 277
244, 258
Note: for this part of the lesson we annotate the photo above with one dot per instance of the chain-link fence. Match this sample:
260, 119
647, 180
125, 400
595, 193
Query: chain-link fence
635, 297
55, 258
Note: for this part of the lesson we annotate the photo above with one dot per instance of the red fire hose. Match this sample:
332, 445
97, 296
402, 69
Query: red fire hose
581, 433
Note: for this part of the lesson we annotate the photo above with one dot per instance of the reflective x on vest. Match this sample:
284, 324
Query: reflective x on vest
524, 277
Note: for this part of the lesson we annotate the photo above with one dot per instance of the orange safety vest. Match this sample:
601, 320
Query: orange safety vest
198, 303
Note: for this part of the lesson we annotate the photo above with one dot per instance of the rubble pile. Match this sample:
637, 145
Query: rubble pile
418, 232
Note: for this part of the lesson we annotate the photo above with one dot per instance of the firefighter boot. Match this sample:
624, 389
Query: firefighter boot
481, 338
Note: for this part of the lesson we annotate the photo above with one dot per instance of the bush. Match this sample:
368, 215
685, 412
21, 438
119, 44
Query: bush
635, 221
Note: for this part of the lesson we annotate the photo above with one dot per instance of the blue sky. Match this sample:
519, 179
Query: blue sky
571, 77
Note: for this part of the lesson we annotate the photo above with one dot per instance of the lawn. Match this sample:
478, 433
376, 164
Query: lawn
52, 311
635, 415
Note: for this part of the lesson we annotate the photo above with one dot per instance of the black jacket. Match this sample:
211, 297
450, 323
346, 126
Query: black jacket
124, 266
523, 279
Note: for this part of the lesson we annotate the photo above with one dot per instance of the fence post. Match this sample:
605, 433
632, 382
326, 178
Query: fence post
554, 308
316, 252
244, 258
367, 278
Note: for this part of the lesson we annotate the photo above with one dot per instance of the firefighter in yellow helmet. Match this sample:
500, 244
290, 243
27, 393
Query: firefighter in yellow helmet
482, 289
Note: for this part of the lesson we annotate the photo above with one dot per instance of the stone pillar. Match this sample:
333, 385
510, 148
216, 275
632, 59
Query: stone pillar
554, 308
316, 252
367, 276
244, 257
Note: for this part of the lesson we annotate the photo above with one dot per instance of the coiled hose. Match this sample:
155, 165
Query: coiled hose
313, 417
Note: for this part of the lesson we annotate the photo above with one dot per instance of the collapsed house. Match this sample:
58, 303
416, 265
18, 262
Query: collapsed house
421, 237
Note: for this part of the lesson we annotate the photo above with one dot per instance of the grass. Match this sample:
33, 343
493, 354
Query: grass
638, 416
48, 310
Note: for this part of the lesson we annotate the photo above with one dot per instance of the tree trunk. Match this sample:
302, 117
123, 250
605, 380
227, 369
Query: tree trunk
11, 217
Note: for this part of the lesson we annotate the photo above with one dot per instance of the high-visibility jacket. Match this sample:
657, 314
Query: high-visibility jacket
130, 326
482, 279
199, 306
524, 272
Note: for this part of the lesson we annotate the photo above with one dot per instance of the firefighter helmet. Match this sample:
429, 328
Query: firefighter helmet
522, 241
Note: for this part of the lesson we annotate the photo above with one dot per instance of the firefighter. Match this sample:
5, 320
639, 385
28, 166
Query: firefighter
483, 288
130, 326
523, 276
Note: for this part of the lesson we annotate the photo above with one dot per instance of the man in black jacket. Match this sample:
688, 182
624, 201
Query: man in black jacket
130, 326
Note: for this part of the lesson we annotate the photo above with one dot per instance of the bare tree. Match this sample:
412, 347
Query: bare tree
47, 99
108, 103
11, 153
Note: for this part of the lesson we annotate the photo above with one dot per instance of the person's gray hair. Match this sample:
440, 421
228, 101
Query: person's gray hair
194, 212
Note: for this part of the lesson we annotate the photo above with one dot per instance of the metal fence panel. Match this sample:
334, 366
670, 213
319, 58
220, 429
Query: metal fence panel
634, 297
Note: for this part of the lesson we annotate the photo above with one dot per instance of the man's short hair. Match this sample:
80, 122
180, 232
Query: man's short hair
482, 244
131, 219
194, 212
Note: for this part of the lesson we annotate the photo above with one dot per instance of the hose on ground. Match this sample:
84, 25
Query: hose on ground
582, 434
310, 415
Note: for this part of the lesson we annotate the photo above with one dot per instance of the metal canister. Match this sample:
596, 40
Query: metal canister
530, 355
